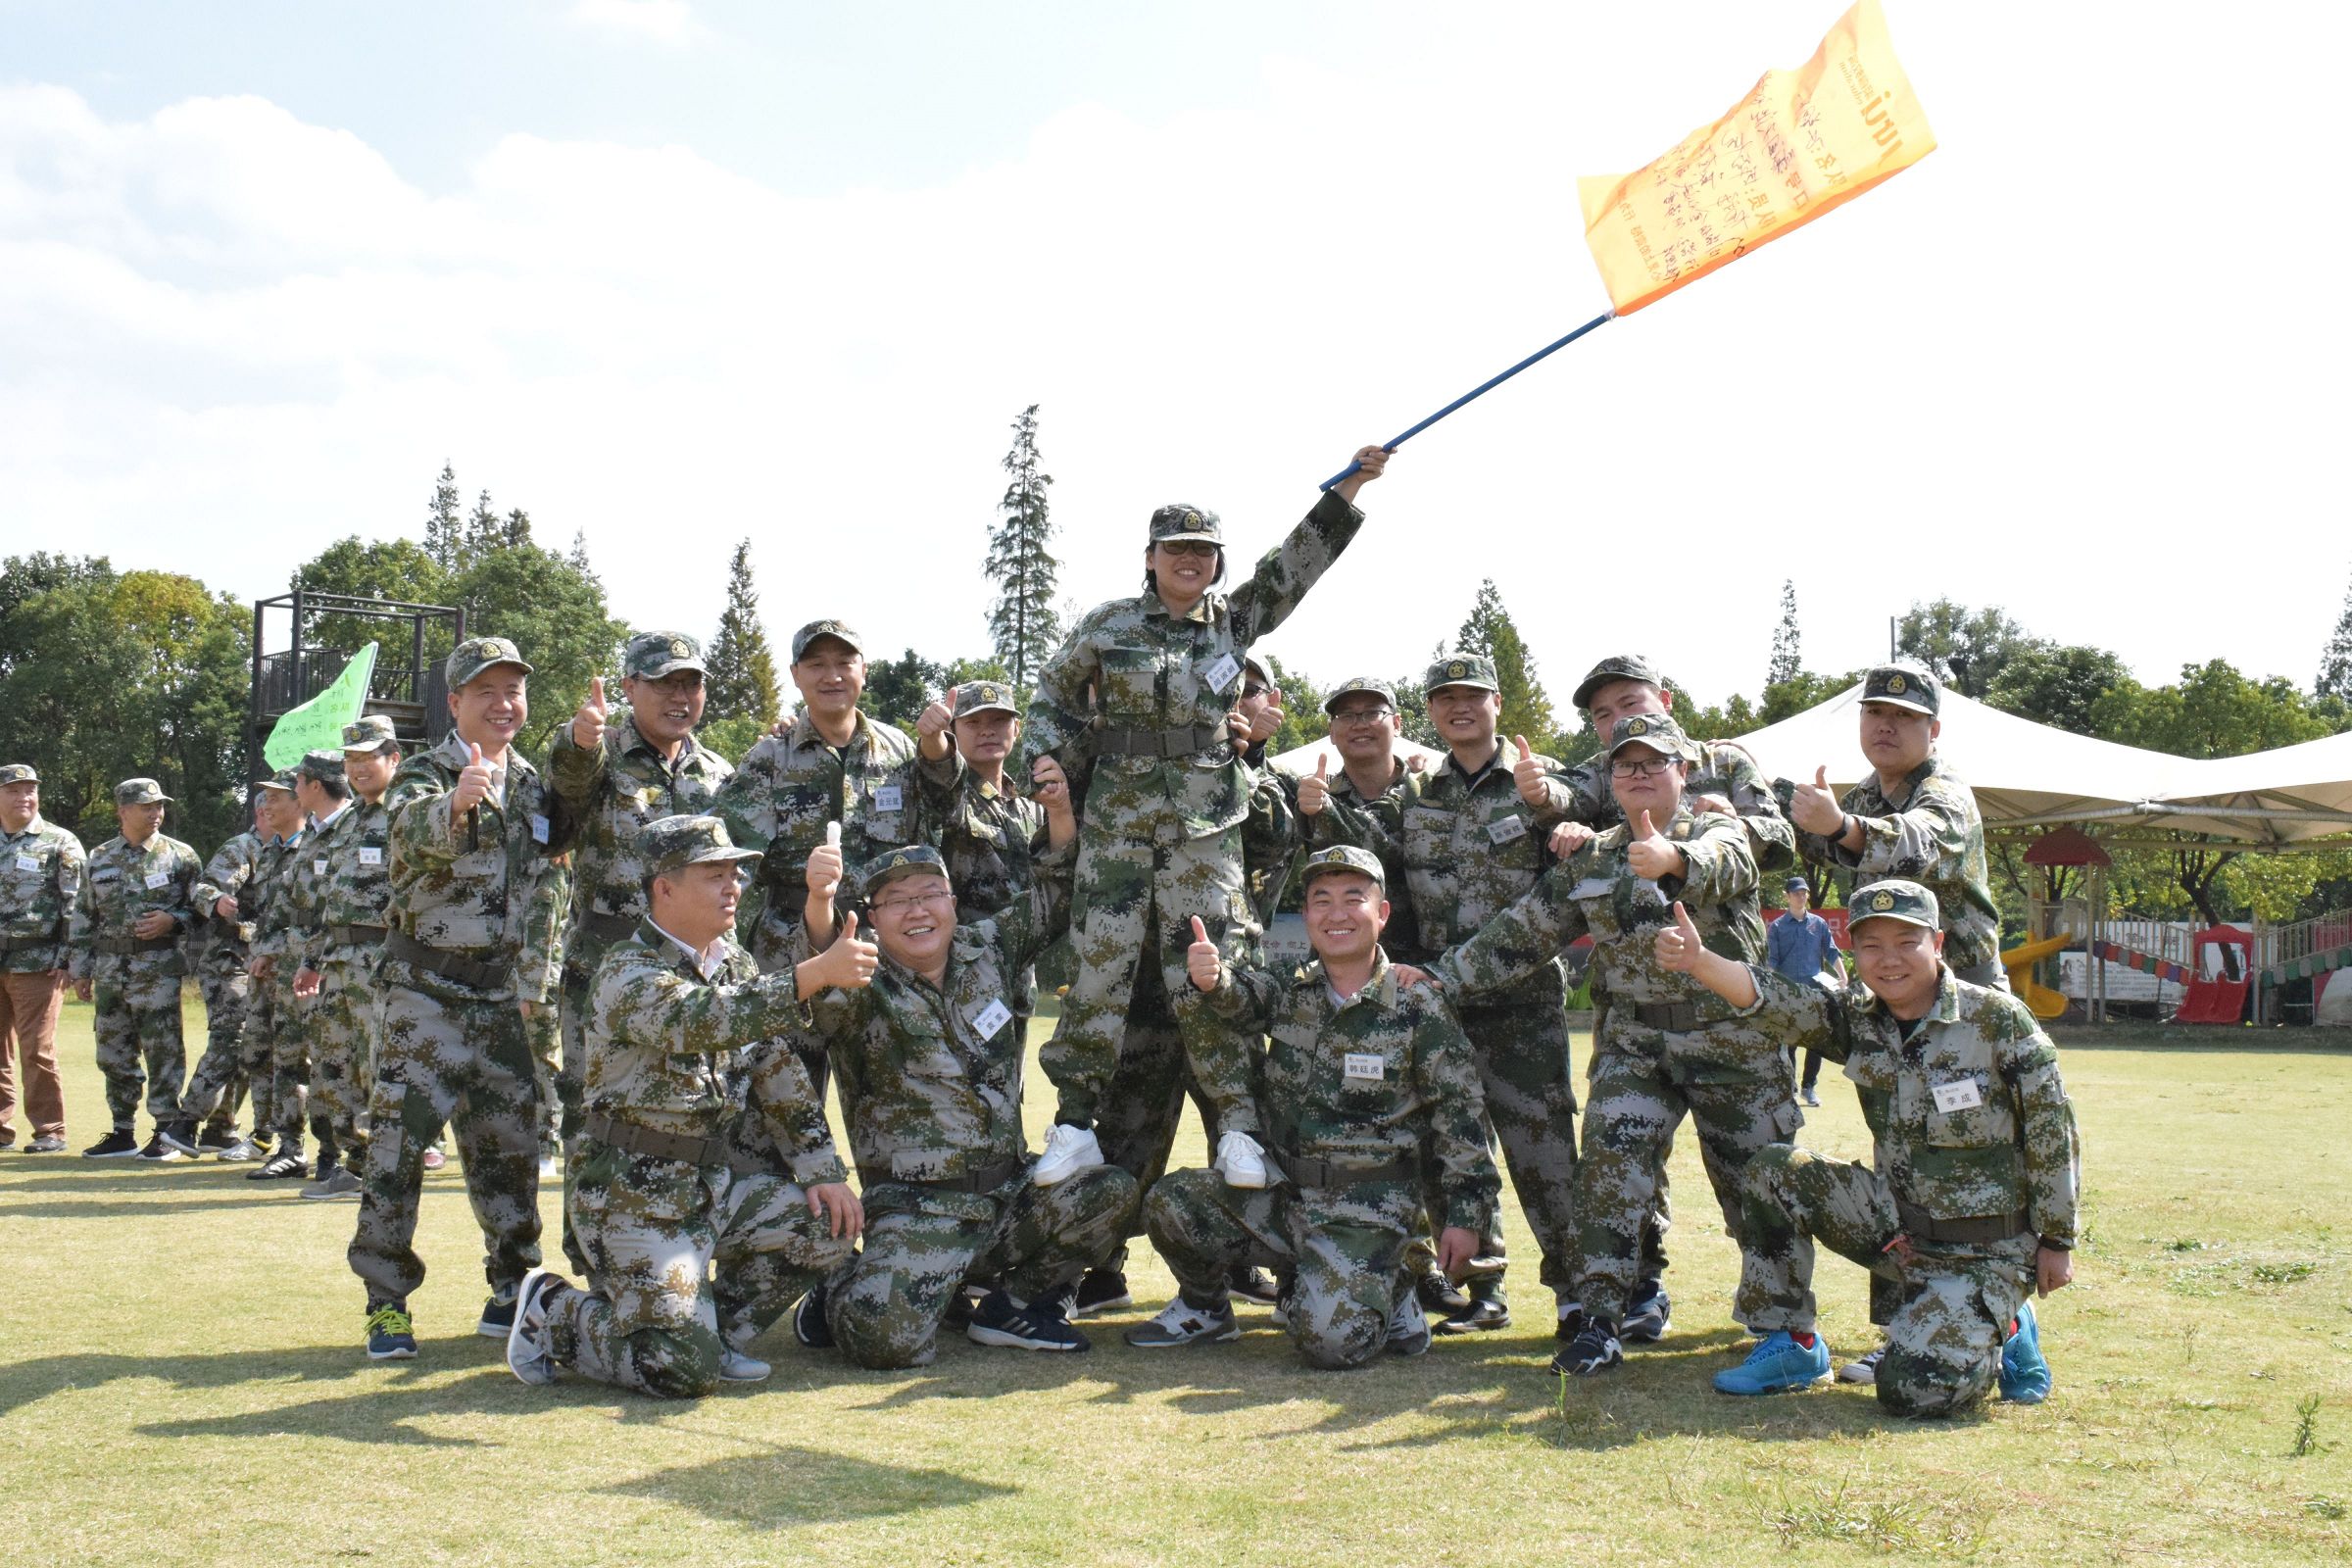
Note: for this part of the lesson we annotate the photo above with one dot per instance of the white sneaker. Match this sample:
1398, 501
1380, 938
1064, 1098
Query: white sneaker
549, 1168
1068, 1151
736, 1366
1408, 1325
529, 1355
1862, 1369
1242, 1161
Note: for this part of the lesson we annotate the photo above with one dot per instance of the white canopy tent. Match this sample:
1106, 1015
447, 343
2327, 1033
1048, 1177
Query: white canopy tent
1301, 762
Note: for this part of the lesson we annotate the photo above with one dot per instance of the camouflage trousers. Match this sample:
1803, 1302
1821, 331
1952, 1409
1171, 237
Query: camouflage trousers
219, 1080
260, 1038
1133, 906
923, 1242
441, 1059
1343, 1247
685, 1262
1952, 1305
283, 1021
137, 1023
1523, 1066
342, 1033
1140, 1113
1640, 1092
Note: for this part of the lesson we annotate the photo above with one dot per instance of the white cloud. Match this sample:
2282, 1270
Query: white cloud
669, 21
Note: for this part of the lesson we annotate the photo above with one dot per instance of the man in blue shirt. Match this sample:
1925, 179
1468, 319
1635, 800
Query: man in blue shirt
1800, 946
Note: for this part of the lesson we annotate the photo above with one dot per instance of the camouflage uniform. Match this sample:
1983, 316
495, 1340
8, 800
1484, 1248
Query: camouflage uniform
1401, 938
693, 1245
1974, 1189
275, 1051
137, 979
451, 1043
219, 1080
341, 915
41, 878
1667, 1046
1366, 1103
931, 1086
989, 838
1469, 846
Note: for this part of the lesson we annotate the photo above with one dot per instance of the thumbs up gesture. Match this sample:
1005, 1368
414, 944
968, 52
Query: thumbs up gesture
1677, 946
1527, 774
1314, 791
588, 724
1815, 810
933, 725
1650, 853
473, 783
848, 964
825, 871
1203, 964
1267, 723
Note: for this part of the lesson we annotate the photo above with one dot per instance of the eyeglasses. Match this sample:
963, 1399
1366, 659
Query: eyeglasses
1199, 549
1361, 716
1255, 691
944, 897
1650, 770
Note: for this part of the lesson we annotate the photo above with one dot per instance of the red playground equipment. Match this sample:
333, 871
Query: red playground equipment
2222, 972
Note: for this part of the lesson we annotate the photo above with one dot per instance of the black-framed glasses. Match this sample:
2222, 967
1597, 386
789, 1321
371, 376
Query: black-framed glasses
1650, 768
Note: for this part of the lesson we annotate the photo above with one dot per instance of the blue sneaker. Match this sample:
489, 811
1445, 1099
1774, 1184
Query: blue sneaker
2025, 1375
1778, 1364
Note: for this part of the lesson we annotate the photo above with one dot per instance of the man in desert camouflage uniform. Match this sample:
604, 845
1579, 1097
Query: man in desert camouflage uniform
275, 1045
695, 1245
1968, 1205
245, 891
475, 832
41, 869
138, 896
1370, 1097
990, 835
219, 1080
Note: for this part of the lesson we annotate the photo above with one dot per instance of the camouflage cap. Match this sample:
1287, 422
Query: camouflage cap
320, 766
1462, 669
1617, 666
1893, 900
651, 655
1177, 520
838, 630
369, 732
1657, 731
1904, 684
477, 653
139, 792
673, 843
18, 773
1252, 666
907, 859
1342, 857
1361, 686
282, 779
984, 696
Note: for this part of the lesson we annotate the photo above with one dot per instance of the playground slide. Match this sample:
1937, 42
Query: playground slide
2041, 1000
2217, 991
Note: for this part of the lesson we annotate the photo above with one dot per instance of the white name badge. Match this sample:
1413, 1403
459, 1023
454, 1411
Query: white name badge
1594, 887
160, 879
1961, 1096
991, 1018
1366, 1066
317, 868
889, 797
1504, 829
371, 857
1223, 673
25, 862
538, 828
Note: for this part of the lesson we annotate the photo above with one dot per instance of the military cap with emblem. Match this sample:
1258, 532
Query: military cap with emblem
1361, 686
673, 843
907, 860
282, 779
1657, 731
1893, 900
18, 773
1904, 684
139, 792
651, 655
320, 766
1617, 666
477, 653
1178, 520
984, 696
369, 732
1343, 858
838, 630
1462, 669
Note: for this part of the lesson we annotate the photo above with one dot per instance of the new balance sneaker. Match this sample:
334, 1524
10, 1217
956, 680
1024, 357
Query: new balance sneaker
217, 1140
1647, 1316
1253, 1284
181, 1136
497, 1313
1487, 1310
740, 1366
1068, 1151
1408, 1326
120, 1143
2025, 1373
999, 1319
530, 1350
1099, 1290
809, 1325
286, 1165
1240, 1161
1182, 1323
336, 1183
1777, 1363
1863, 1369
47, 1144
1594, 1349
159, 1152
391, 1337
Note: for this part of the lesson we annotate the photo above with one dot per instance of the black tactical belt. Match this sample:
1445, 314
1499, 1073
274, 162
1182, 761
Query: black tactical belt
1680, 1017
609, 928
1308, 1171
986, 1179
448, 966
1919, 1225
1159, 742
652, 1144
51, 939
123, 945
357, 935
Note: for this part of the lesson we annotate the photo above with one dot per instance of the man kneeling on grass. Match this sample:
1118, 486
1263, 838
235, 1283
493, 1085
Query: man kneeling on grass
1364, 1081
696, 1242
1968, 1207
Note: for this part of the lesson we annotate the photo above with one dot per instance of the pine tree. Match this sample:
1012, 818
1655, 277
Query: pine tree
515, 529
741, 678
1788, 663
2336, 660
1489, 630
1022, 622
483, 531
578, 558
444, 524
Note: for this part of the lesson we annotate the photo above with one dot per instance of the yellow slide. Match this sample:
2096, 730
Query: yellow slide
2018, 960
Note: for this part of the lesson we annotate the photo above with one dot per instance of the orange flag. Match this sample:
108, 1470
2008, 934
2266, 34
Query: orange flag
1799, 144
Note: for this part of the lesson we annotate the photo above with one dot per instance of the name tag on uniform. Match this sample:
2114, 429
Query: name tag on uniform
1366, 1066
991, 1018
317, 868
159, 879
538, 828
889, 797
1504, 829
1594, 887
1223, 673
1961, 1096
371, 857
25, 862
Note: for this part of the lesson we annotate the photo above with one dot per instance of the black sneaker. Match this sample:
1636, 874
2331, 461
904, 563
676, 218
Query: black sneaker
1649, 1315
1571, 1324
1440, 1294
158, 1152
1594, 1349
1486, 1311
120, 1143
809, 1325
959, 1314
1250, 1283
285, 1165
1040, 1326
498, 1316
216, 1140
181, 1136
391, 1337
1102, 1289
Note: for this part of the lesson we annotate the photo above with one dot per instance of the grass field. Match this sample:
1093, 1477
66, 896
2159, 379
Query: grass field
181, 1380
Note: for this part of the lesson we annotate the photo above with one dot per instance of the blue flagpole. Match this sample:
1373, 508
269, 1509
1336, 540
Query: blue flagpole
1478, 391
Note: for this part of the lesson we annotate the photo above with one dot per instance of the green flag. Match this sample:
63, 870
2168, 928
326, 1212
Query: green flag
317, 724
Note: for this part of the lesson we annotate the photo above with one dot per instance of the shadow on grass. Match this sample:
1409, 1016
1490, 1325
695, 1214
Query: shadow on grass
2203, 1041
796, 1486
